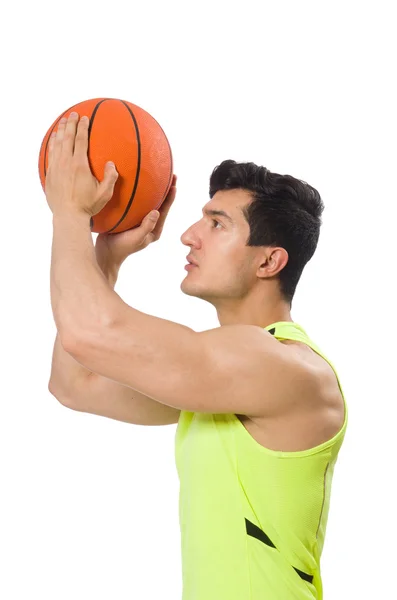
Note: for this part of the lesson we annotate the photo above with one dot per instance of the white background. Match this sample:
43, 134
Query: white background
89, 506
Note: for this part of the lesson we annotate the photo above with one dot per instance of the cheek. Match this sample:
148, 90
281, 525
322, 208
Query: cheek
224, 251
241, 266
230, 265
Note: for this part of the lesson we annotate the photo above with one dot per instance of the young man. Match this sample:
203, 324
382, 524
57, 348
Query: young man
260, 411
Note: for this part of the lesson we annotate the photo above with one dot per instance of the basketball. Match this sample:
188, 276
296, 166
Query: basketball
130, 137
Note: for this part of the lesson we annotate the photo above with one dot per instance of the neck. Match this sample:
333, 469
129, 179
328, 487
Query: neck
246, 313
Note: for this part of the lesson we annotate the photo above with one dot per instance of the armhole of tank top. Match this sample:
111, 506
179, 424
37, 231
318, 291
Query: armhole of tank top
302, 337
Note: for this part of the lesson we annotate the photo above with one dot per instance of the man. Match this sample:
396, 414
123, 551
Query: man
260, 411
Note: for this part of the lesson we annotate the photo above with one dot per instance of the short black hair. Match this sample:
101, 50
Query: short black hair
285, 212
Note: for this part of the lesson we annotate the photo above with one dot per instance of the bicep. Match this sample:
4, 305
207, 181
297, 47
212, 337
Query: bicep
239, 369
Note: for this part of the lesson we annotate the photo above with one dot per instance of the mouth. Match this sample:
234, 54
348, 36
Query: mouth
191, 262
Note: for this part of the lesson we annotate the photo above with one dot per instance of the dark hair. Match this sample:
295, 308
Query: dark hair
285, 212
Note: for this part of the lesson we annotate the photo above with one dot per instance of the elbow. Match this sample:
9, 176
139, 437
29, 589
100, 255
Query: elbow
60, 396
67, 340
82, 344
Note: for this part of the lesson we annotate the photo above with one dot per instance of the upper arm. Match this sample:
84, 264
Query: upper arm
248, 371
239, 369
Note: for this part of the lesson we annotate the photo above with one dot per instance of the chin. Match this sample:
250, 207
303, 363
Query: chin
193, 290
187, 288
190, 289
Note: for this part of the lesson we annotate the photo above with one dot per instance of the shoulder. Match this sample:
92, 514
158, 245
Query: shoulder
327, 399
313, 417
252, 345
249, 364
319, 370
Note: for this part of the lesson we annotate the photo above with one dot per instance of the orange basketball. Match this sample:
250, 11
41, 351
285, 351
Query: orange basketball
130, 137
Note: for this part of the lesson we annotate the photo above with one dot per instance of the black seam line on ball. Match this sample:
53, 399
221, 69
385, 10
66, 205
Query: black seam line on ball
138, 168
94, 112
256, 532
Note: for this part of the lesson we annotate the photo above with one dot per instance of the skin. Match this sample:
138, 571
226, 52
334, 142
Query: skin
286, 391
240, 281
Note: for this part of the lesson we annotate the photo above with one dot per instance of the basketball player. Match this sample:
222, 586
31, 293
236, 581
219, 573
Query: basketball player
260, 411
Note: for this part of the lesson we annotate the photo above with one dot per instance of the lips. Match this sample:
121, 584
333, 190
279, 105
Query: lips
191, 261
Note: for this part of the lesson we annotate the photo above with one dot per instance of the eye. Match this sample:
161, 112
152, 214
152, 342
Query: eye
216, 223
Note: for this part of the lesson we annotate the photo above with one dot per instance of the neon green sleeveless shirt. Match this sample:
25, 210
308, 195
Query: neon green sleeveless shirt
252, 520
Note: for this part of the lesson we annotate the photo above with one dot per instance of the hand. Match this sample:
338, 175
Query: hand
113, 248
70, 186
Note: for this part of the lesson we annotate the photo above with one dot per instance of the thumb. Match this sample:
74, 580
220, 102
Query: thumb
151, 219
109, 179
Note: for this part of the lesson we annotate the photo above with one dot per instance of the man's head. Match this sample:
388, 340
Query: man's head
258, 231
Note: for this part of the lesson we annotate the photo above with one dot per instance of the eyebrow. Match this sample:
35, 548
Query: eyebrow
217, 213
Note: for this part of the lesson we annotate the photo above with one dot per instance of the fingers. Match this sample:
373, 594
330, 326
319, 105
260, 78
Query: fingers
62, 141
148, 228
61, 132
140, 236
51, 147
81, 140
165, 208
68, 134
55, 143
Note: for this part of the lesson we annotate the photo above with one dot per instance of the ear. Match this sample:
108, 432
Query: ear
272, 262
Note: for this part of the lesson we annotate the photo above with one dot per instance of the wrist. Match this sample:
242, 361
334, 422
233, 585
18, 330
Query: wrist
62, 214
111, 272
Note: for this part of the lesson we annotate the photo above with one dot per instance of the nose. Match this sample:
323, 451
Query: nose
191, 237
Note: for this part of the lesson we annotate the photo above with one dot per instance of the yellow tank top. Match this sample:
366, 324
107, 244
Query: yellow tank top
252, 520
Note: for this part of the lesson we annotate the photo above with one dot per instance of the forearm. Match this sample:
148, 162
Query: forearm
66, 372
81, 296
111, 272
